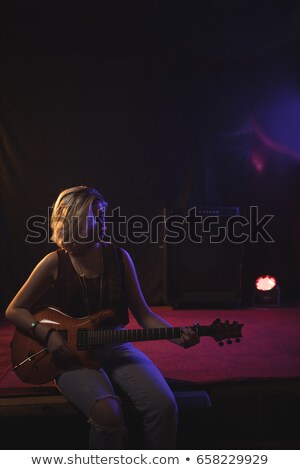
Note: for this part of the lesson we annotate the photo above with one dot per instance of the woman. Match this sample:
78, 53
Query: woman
89, 275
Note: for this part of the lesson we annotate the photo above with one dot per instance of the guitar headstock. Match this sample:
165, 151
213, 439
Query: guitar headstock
225, 331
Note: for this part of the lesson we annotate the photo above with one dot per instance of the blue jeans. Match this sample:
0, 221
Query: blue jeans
126, 367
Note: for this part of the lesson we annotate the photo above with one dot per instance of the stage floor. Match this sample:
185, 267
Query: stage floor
254, 386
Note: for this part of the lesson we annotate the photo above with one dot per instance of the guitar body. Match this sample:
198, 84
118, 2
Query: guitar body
42, 368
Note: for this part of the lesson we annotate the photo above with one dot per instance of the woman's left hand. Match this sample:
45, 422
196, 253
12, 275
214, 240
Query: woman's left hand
188, 338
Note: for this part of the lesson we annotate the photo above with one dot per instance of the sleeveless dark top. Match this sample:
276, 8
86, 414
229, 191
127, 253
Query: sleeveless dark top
68, 294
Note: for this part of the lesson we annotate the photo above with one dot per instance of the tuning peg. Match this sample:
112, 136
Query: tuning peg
229, 341
237, 340
220, 343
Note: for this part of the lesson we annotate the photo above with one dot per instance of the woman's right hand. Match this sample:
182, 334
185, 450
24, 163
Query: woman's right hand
61, 351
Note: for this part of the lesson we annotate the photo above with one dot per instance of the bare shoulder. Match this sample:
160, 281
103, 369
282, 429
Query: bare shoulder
127, 262
40, 279
49, 265
51, 259
123, 251
125, 255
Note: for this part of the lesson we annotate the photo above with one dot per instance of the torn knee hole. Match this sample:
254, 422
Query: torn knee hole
107, 418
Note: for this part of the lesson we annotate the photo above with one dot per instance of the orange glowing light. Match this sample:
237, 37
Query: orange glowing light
265, 283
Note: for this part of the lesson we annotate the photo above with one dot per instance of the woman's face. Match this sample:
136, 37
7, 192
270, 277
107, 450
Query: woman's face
99, 223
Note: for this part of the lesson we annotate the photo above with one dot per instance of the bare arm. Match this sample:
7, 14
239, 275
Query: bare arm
18, 311
39, 281
140, 309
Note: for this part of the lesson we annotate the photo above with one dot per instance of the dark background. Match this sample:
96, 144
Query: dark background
156, 105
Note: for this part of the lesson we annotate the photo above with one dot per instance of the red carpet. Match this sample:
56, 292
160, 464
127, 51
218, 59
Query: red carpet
270, 347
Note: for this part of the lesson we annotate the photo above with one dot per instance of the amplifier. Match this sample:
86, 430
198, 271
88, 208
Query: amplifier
202, 264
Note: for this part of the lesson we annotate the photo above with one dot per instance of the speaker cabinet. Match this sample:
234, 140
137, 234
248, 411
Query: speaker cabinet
202, 261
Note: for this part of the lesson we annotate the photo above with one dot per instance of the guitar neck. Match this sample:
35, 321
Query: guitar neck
99, 337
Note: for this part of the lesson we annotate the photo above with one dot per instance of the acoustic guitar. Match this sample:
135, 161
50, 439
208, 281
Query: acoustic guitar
35, 365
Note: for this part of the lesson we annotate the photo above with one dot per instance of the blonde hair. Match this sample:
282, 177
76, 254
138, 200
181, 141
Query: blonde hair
72, 217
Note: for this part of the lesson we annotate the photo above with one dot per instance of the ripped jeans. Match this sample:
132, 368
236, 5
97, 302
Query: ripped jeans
126, 367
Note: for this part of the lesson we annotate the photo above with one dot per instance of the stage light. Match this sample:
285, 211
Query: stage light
267, 292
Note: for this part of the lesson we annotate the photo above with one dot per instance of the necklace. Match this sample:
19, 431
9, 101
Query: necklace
84, 289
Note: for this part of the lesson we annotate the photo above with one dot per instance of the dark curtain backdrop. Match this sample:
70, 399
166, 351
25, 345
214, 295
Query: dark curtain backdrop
153, 113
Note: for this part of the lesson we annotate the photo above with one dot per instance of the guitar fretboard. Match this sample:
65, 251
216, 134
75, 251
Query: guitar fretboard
101, 337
